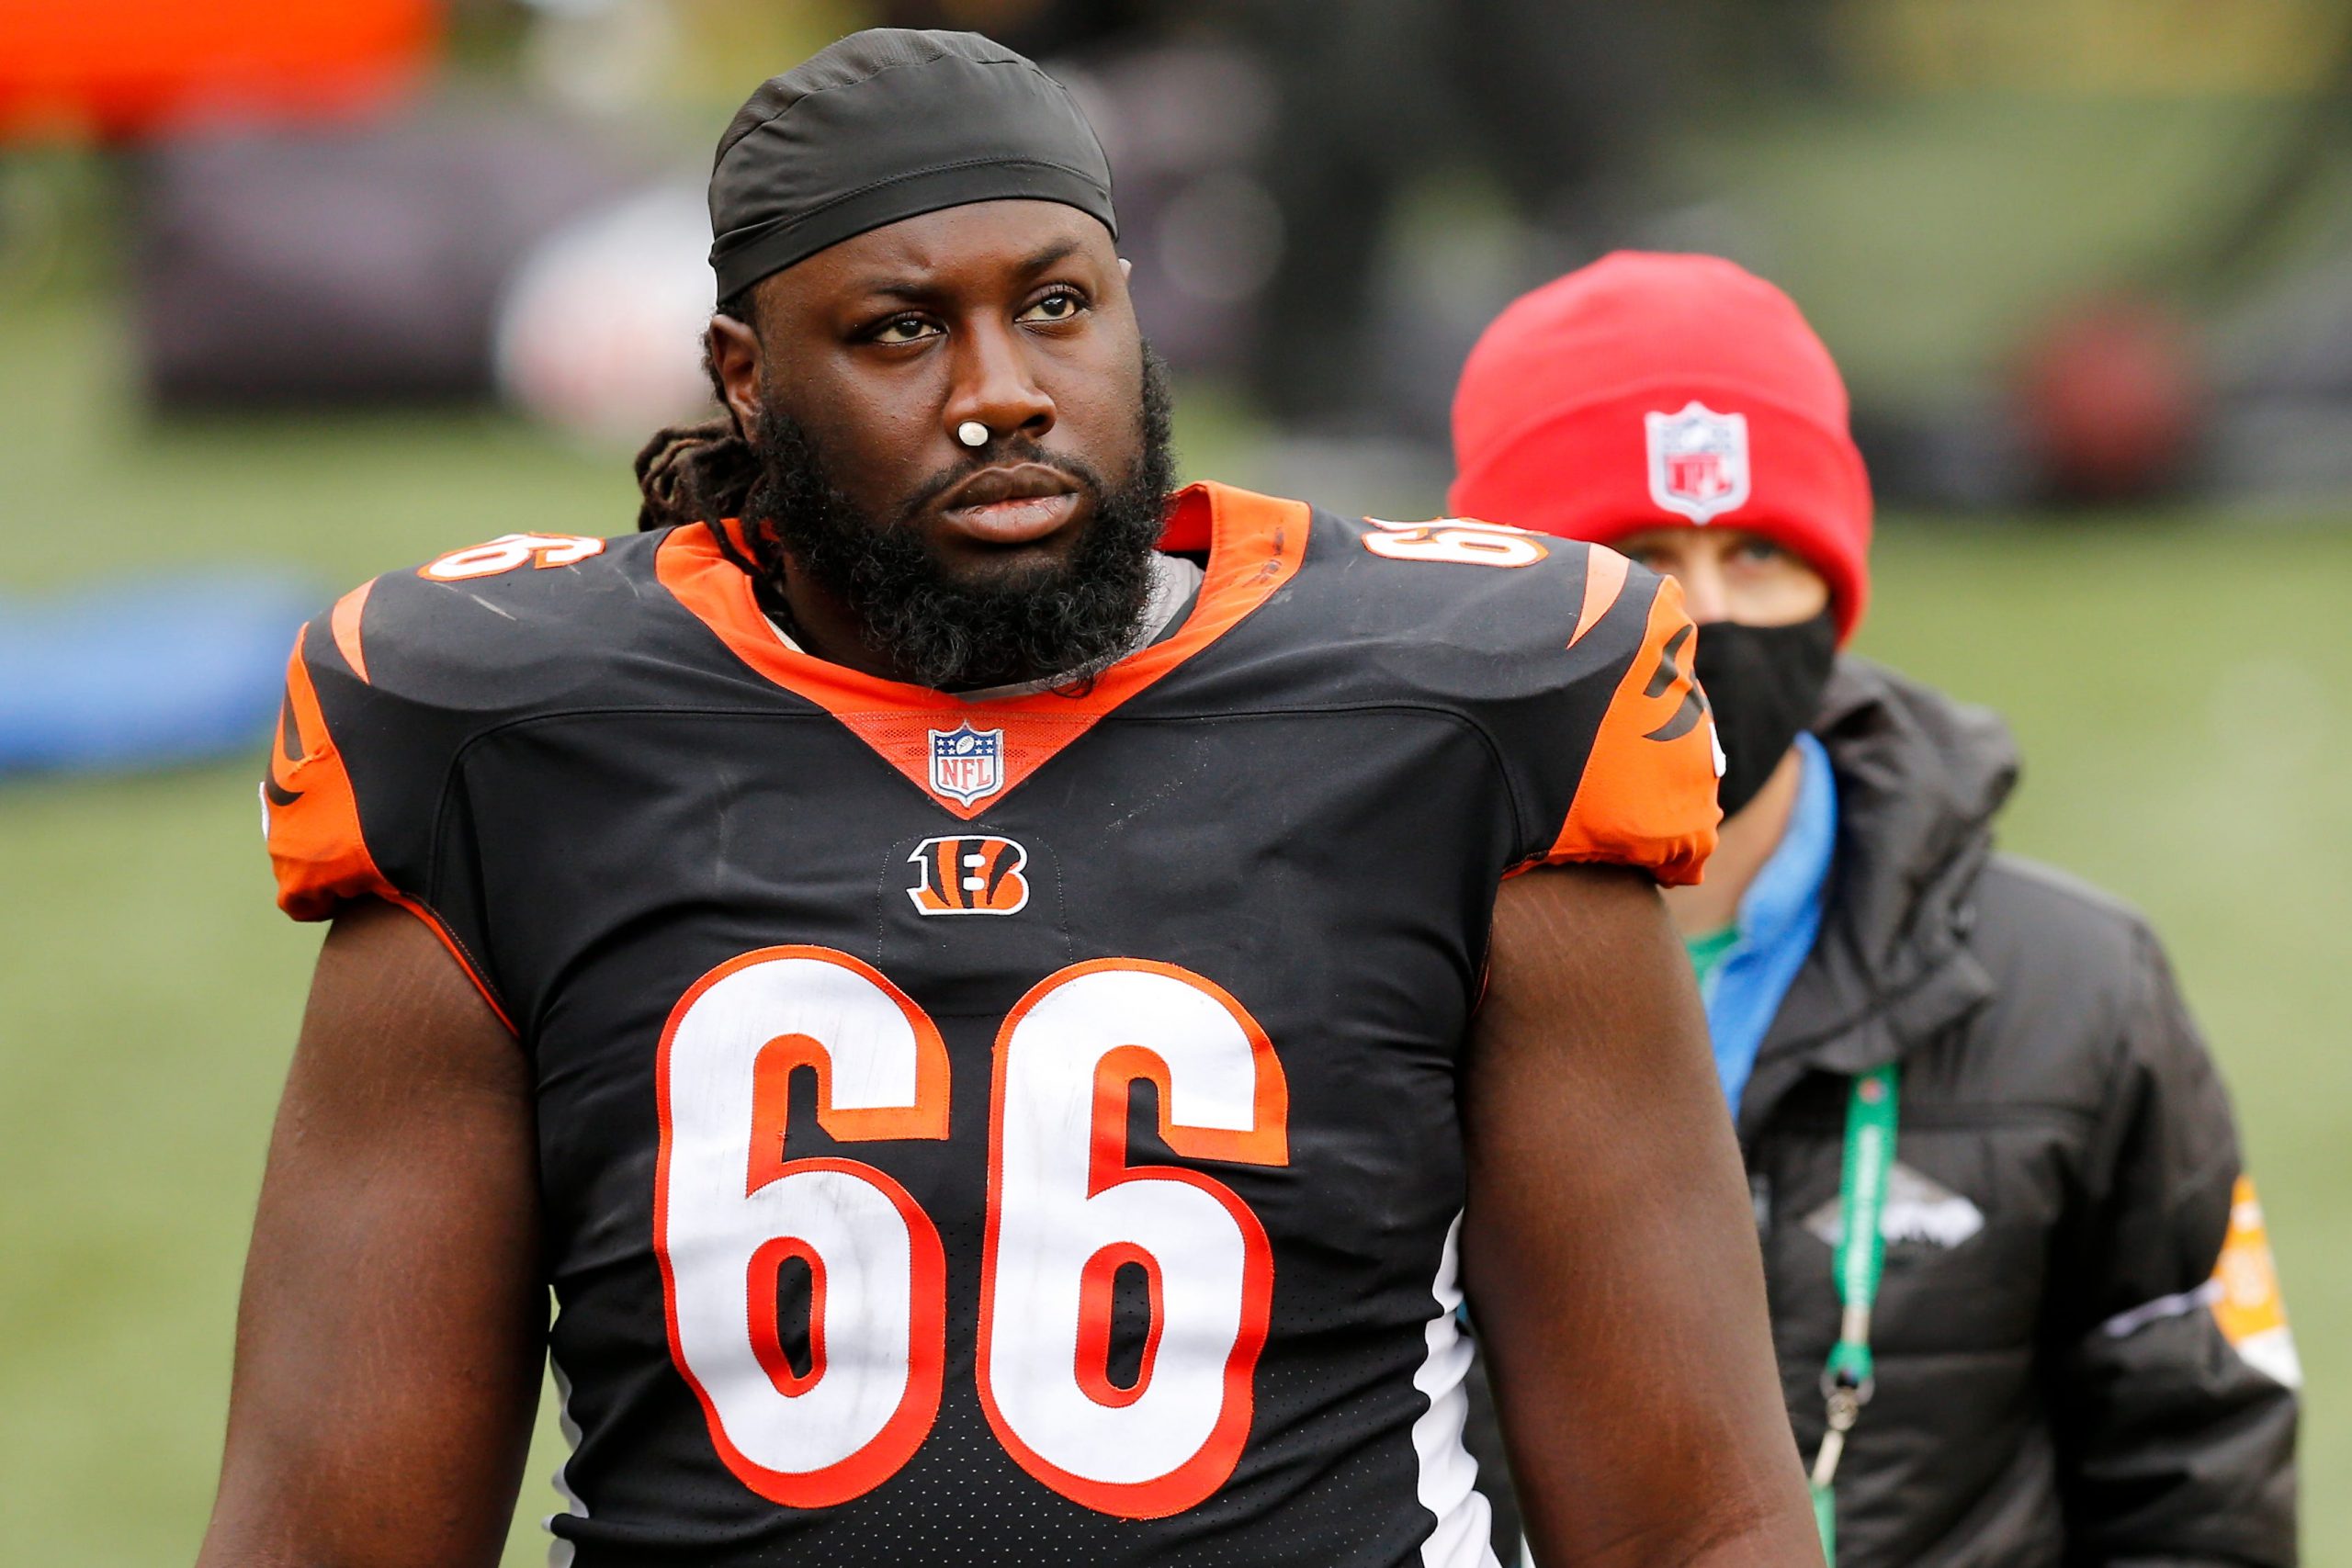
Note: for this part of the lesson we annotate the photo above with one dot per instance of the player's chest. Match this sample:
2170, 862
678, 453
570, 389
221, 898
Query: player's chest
1275, 927
1165, 1043
1304, 847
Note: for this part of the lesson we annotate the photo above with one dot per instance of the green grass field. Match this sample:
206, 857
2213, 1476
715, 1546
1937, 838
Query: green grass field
2179, 683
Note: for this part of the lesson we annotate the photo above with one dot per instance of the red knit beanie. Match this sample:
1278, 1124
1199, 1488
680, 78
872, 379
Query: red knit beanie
1650, 389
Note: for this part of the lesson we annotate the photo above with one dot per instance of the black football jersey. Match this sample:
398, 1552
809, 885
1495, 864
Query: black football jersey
1014, 1130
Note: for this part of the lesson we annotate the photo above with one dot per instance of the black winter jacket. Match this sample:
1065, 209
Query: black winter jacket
2053, 1386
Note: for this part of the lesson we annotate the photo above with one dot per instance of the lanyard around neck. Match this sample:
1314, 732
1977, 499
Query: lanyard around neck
1859, 1259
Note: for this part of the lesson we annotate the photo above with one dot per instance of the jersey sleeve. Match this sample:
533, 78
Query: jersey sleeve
1605, 743
1572, 661
1645, 792
362, 797
318, 849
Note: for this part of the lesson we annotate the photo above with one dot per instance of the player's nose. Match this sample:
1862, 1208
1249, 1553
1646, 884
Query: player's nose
996, 386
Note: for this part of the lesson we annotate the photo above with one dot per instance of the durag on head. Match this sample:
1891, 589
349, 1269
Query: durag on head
888, 124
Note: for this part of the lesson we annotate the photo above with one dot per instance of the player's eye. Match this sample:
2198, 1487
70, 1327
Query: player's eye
1759, 552
1062, 305
903, 329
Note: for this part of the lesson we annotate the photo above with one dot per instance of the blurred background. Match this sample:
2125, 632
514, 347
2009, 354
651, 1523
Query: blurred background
296, 291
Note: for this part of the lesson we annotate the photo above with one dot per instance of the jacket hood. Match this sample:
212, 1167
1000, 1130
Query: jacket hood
1919, 780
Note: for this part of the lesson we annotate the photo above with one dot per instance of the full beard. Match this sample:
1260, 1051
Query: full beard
1067, 617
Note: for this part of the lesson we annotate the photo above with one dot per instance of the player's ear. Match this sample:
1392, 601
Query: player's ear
734, 350
1126, 269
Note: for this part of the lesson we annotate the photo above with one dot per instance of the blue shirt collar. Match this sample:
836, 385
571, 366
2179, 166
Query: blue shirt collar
1778, 919
1787, 888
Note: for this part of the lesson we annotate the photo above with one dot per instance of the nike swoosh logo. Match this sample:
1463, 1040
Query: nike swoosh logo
289, 747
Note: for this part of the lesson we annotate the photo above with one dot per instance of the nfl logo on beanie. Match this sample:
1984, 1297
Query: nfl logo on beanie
1698, 461
1650, 391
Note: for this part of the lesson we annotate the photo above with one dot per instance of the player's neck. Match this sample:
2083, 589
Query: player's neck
1744, 843
824, 627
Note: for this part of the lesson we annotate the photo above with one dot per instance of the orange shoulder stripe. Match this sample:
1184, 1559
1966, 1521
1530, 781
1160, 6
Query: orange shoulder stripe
1647, 794
1605, 578
315, 844
344, 621
311, 817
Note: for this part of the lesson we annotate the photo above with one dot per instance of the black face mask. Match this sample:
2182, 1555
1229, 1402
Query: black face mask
1763, 686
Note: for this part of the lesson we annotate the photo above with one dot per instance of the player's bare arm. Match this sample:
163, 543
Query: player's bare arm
389, 1340
1608, 1248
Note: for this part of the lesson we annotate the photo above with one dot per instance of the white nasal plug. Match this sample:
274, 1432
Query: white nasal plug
972, 432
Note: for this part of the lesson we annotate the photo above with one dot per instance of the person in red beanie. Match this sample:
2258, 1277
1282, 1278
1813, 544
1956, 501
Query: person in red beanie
2053, 1332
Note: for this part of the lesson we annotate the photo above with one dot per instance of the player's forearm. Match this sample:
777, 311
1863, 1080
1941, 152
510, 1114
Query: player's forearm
1790, 1540
379, 1531
1675, 1484
391, 1330
342, 1452
1609, 1250
1643, 1422
1777, 1537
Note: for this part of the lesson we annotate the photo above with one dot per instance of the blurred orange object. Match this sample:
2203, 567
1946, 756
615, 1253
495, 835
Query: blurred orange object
133, 68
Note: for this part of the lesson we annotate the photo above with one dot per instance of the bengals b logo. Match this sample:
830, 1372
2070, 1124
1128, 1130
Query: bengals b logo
969, 876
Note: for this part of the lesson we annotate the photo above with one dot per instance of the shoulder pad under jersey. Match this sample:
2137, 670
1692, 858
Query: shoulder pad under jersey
384, 691
1572, 660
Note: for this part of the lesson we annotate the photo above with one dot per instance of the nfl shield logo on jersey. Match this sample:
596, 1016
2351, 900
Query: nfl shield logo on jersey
1698, 461
967, 763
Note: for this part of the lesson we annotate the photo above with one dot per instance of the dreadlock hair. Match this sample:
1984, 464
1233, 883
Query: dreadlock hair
705, 472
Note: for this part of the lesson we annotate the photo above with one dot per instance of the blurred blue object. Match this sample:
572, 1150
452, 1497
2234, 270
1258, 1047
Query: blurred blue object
148, 674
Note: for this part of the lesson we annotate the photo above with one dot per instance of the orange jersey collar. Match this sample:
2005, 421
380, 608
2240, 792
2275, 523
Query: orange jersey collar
1255, 544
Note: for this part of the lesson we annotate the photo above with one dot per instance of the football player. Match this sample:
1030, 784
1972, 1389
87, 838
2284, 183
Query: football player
2025, 1306
1008, 1009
